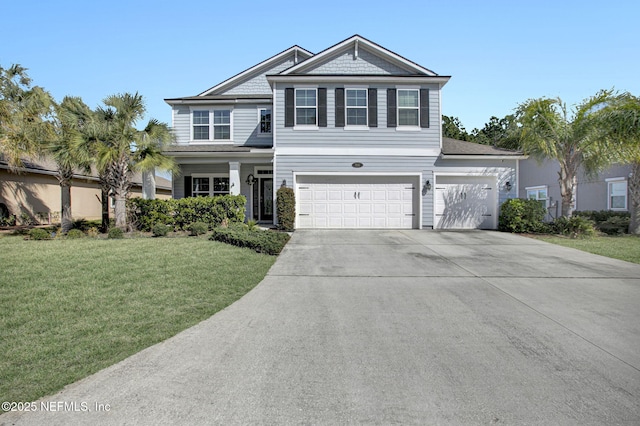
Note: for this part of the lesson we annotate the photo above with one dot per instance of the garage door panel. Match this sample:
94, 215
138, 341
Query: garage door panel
358, 202
465, 202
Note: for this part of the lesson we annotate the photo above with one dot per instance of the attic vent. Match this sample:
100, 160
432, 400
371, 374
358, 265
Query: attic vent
355, 53
295, 57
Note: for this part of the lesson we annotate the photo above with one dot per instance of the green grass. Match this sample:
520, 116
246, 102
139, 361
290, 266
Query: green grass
624, 247
69, 308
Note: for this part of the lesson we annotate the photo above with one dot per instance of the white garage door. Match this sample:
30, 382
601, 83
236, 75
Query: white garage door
465, 202
357, 202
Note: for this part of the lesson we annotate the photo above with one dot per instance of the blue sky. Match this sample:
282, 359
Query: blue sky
499, 53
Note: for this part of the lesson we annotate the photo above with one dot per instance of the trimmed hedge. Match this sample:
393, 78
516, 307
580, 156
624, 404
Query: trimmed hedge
522, 216
181, 213
286, 208
161, 230
39, 234
268, 242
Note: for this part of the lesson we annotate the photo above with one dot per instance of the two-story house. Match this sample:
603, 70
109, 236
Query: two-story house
355, 130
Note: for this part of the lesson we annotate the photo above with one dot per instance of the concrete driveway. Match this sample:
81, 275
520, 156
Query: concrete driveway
393, 327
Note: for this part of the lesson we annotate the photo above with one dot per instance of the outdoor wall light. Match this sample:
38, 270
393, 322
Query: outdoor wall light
507, 186
427, 187
251, 180
284, 183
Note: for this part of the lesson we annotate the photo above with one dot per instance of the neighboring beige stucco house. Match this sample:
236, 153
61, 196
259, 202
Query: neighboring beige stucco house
34, 191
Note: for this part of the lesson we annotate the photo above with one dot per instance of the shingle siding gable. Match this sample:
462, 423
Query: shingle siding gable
366, 63
258, 84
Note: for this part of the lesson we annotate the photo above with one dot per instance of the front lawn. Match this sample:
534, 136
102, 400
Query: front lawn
69, 308
624, 247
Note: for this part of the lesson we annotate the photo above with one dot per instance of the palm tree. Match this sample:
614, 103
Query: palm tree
619, 122
24, 113
121, 149
66, 149
150, 144
548, 131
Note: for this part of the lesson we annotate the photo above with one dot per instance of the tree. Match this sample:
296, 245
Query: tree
452, 128
547, 130
66, 149
619, 122
24, 112
499, 132
121, 149
150, 144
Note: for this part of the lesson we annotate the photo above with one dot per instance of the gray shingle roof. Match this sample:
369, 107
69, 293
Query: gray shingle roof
456, 147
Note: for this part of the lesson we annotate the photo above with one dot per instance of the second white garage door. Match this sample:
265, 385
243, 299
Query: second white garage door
357, 202
465, 202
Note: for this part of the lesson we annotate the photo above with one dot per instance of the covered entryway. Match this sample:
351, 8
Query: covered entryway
365, 202
465, 202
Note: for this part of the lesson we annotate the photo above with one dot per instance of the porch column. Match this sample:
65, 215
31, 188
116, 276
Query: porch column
234, 177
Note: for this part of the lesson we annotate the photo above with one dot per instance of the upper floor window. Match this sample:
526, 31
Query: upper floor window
264, 115
356, 106
201, 125
617, 194
408, 108
207, 123
306, 107
222, 124
538, 193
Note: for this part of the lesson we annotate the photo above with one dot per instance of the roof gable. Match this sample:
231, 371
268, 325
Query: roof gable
253, 81
359, 56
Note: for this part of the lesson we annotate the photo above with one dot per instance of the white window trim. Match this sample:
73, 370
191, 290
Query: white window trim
626, 196
404, 127
348, 126
262, 134
211, 176
192, 125
297, 126
538, 188
211, 139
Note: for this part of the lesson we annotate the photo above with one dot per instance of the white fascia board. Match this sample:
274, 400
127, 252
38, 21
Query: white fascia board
358, 79
484, 157
369, 152
204, 155
257, 100
381, 51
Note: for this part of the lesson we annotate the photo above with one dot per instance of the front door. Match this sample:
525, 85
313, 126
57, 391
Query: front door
266, 198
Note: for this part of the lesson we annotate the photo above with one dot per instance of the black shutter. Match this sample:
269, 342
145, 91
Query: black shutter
391, 108
187, 186
322, 107
289, 107
373, 107
424, 107
339, 107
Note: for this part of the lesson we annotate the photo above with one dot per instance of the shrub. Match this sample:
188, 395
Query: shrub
198, 228
575, 226
160, 230
144, 214
286, 208
607, 221
115, 234
615, 225
519, 215
252, 225
39, 234
268, 242
75, 234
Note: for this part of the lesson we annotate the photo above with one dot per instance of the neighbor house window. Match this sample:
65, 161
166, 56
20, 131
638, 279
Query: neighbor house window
265, 121
306, 107
201, 125
211, 185
356, 106
222, 124
617, 193
538, 193
408, 108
